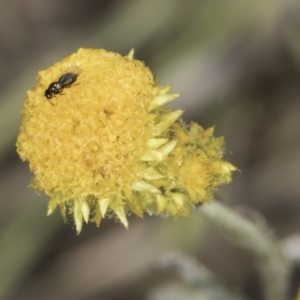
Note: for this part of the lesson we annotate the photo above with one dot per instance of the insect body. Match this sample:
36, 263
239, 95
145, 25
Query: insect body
65, 81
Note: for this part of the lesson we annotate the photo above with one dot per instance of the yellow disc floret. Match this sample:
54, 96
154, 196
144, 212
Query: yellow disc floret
106, 142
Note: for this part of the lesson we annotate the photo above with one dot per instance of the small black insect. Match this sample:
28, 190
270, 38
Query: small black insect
65, 81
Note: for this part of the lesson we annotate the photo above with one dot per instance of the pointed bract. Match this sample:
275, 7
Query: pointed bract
122, 216
103, 204
161, 100
77, 216
142, 186
85, 209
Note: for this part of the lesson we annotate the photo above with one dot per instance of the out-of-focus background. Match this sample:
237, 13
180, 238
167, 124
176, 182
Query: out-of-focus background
237, 65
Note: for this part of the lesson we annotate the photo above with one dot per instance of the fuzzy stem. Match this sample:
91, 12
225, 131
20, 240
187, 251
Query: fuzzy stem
273, 267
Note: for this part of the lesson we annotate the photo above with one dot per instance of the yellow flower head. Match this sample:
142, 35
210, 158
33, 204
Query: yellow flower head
104, 143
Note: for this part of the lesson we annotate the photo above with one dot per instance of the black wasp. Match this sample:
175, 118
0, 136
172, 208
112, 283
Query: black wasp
64, 81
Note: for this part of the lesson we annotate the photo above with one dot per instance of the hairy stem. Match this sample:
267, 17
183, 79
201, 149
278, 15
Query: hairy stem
273, 267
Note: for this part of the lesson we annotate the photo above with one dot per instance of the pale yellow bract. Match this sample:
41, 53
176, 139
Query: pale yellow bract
109, 146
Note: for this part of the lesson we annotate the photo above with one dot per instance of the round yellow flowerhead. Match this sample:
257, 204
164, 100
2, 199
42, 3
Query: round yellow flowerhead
101, 142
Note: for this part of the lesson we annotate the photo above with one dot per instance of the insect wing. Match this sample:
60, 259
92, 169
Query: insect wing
67, 79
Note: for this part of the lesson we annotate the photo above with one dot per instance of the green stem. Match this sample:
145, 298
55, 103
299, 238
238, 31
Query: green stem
273, 267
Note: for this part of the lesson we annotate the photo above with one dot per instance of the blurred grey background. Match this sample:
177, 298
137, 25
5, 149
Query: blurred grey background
237, 65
